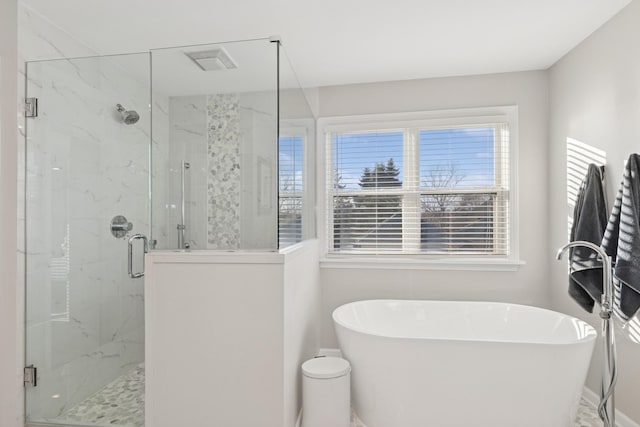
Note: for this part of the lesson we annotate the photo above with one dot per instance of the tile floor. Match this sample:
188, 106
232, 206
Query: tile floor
121, 404
587, 415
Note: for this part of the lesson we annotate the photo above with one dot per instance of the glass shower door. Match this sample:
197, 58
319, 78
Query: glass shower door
87, 166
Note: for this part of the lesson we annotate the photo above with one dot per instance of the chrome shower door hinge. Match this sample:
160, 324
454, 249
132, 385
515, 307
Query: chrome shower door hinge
30, 376
31, 107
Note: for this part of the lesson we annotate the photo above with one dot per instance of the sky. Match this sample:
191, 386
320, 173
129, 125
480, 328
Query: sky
465, 153
290, 163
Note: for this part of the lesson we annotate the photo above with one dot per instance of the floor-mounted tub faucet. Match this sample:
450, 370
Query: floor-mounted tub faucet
606, 408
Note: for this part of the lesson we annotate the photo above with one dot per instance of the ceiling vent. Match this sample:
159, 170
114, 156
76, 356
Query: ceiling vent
212, 60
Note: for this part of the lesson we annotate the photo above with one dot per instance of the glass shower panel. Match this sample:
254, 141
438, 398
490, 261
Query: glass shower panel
296, 161
87, 163
214, 154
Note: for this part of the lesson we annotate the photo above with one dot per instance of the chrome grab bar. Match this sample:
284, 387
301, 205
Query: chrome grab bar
130, 257
181, 227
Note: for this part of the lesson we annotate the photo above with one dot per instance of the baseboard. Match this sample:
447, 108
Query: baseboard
621, 419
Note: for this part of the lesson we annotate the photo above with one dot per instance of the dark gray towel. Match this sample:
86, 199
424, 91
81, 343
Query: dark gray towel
589, 223
622, 241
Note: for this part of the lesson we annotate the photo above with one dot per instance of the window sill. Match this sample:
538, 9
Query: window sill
416, 263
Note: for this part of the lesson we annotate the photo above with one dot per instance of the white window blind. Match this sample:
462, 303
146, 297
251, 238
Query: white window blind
419, 190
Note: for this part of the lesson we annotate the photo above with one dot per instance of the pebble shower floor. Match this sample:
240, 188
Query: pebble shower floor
121, 403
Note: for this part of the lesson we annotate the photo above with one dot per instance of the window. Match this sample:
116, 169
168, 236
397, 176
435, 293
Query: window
290, 190
426, 187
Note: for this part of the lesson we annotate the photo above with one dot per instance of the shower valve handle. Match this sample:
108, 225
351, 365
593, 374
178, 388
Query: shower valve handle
120, 226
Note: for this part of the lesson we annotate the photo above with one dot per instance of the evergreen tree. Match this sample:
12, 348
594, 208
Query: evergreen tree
337, 181
364, 219
374, 210
382, 175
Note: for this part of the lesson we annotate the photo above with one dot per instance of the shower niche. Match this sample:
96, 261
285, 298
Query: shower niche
195, 148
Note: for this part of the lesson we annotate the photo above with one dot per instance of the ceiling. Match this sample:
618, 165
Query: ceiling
332, 42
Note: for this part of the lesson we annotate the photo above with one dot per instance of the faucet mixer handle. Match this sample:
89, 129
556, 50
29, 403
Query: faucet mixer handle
120, 226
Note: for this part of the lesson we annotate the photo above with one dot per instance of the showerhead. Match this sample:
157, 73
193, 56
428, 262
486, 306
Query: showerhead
129, 117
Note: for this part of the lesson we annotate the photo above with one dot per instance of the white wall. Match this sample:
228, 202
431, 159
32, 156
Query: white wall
527, 285
10, 294
214, 339
595, 98
301, 320
251, 320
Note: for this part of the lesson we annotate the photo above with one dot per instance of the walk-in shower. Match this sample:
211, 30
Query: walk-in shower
199, 166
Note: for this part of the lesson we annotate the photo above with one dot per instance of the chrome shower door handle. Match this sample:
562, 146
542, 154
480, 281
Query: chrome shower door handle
130, 255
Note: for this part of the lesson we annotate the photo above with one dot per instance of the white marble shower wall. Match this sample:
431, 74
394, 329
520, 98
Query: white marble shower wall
188, 142
229, 141
259, 166
160, 174
85, 323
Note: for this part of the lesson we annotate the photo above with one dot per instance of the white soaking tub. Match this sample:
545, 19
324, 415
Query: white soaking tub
461, 364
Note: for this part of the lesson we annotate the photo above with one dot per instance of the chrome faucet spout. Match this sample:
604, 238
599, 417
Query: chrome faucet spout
606, 303
582, 243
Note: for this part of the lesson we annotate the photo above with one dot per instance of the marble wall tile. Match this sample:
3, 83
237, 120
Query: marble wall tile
38, 39
258, 124
160, 170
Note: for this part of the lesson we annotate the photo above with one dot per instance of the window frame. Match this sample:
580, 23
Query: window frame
414, 122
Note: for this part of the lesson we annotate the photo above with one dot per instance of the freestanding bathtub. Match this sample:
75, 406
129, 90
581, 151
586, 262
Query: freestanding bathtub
463, 364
